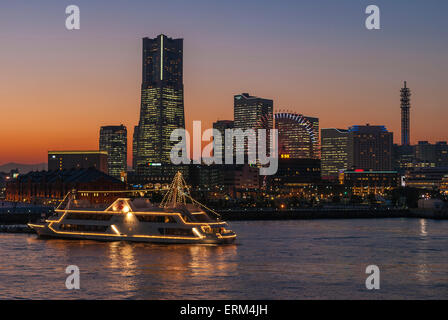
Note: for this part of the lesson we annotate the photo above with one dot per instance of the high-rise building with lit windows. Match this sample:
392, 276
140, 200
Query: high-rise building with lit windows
162, 100
298, 136
114, 140
134, 147
334, 154
252, 112
220, 151
435, 155
370, 148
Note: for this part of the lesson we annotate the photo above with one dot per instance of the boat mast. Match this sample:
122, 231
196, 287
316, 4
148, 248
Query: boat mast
176, 194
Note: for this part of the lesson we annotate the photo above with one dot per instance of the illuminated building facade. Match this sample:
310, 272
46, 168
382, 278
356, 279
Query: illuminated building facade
404, 157
444, 185
425, 151
114, 140
156, 174
252, 113
69, 160
51, 186
434, 154
293, 173
162, 100
365, 182
134, 147
370, 148
426, 178
227, 179
221, 126
3, 179
334, 152
298, 136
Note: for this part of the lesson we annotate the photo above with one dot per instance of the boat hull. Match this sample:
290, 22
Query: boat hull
44, 231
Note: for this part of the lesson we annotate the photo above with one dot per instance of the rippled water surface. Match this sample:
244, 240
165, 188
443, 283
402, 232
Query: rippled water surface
314, 259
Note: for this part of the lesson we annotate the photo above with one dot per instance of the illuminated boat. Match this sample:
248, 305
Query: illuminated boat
137, 219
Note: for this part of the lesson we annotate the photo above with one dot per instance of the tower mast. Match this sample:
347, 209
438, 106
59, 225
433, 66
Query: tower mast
405, 94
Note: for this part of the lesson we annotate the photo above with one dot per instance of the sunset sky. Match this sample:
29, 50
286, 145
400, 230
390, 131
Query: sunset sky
315, 57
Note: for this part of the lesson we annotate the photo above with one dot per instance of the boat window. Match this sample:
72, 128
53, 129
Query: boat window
78, 227
155, 218
202, 217
176, 231
88, 216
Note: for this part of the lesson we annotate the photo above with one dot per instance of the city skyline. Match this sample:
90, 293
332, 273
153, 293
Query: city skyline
296, 78
224, 152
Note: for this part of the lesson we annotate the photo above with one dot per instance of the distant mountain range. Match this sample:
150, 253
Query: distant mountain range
23, 168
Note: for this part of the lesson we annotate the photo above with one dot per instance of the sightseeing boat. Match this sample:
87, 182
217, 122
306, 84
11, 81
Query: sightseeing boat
137, 219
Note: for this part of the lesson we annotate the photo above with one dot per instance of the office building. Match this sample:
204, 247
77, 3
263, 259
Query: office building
334, 152
436, 155
298, 136
162, 100
69, 160
113, 139
295, 173
370, 148
426, 178
403, 157
155, 174
365, 182
134, 147
252, 112
222, 126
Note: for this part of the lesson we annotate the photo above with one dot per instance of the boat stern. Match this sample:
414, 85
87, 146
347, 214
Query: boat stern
218, 235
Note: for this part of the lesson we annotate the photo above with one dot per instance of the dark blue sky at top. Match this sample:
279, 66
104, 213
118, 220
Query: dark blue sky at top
341, 20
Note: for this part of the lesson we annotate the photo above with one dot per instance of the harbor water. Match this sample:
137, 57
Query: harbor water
300, 259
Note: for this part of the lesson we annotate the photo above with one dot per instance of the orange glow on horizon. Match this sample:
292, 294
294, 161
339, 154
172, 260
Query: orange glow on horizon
69, 96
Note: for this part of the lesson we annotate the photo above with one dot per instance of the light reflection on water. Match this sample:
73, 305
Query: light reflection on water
272, 260
422, 268
122, 258
423, 231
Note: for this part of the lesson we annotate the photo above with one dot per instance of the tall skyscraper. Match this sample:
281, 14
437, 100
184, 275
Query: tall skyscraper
251, 112
162, 100
298, 136
221, 126
405, 94
114, 140
370, 148
334, 152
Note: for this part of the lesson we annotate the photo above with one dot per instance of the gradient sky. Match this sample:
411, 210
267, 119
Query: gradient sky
315, 57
